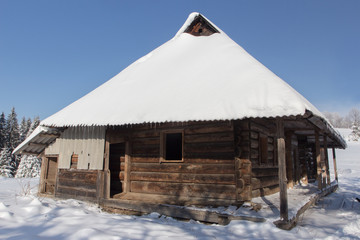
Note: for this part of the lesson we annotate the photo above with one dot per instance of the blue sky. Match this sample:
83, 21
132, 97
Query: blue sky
54, 52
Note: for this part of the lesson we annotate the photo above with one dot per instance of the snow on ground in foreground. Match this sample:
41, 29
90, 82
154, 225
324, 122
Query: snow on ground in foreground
25, 216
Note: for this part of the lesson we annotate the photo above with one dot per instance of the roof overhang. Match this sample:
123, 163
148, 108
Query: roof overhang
38, 140
309, 123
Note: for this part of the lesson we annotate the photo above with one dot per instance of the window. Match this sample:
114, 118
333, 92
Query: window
74, 161
171, 146
263, 143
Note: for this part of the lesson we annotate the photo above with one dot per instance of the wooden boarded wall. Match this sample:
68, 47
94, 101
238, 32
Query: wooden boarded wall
86, 142
78, 184
207, 170
256, 147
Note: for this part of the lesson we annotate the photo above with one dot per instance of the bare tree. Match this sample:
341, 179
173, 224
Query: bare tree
354, 116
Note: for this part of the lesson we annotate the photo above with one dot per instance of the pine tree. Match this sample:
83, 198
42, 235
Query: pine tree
12, 130
29, 167
33, 125
7, 163
2, 130
24, 129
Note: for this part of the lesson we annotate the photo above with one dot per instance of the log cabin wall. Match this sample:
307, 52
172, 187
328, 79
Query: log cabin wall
78, 184
256, 148
206, 170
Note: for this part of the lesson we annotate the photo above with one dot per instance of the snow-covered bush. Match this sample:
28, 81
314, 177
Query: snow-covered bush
355, 133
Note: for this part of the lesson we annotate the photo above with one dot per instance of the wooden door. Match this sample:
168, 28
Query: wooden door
50, 176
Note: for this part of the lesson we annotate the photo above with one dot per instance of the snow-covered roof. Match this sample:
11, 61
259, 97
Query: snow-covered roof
188, 78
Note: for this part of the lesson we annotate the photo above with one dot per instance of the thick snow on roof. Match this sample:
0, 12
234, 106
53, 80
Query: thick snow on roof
187, 78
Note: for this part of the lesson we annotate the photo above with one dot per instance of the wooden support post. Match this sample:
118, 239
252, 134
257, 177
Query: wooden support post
289, 160
107, 178
334, 160
328, 181
318, 160
323, 167
127, 167
282, 170
44, 169
297, 165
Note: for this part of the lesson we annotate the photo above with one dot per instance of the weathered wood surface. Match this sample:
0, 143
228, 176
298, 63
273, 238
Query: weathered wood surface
335, 167
78, 184
282, 169
187, 189
318, 160
183, 177
183, 168
208, 158
178, 200
255, 141
176, 211
289, 159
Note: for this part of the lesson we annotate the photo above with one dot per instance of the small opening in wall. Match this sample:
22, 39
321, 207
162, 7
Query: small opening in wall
173, 146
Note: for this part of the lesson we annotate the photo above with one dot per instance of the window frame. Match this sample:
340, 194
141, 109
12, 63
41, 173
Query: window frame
163, 146
74, 160
263, 149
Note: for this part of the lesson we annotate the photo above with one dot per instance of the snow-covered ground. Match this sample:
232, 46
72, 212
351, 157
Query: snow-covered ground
25, 216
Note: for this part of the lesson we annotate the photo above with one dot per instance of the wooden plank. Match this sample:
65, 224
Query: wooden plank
211, 155
76, 192
177, 212
208, 161
282, 169
44, 165
264, 182
145, 159
151, 133
328, 182
226, 179
100, 186
75, 184
259, 128
86, 175
146, 149
265, 191
183, 168
318, 160
127, 185
184, 189
216, 128
178, 200
208, 138
146, 141
209, 147
254, 135
254, 143
289, 160
265, 172
334, 161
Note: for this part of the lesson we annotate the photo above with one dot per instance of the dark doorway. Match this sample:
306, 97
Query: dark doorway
117, 156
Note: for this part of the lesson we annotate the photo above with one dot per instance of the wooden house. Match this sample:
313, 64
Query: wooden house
196, 121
